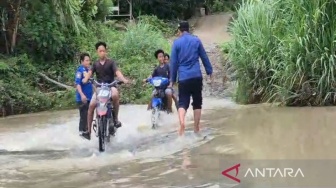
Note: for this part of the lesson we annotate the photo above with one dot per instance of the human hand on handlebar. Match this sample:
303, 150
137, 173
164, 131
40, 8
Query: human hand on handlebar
125, 81
129, 82
144, 82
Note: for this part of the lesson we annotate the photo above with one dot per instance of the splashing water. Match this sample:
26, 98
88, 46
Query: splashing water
57, 145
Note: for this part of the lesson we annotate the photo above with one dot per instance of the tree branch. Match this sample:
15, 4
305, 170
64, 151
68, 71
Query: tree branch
55, 82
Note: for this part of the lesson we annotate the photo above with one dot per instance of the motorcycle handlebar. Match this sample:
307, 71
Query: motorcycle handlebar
114, 83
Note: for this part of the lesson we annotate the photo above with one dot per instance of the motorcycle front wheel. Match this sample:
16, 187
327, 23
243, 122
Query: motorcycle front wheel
101, 133
155, 117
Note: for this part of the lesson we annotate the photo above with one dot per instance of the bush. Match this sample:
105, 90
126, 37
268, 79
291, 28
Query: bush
133, 50
223, 5
225, 47
284, 51
21, 86
159, 25
135, 54
51, 35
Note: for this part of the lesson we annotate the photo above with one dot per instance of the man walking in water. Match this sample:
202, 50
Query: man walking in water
184, 61
105, 69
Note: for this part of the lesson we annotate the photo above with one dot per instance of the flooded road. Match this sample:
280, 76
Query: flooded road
44, 150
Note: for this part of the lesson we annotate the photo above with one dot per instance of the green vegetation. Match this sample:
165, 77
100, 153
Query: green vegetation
222, 5
284, 51
47, 42
40, 42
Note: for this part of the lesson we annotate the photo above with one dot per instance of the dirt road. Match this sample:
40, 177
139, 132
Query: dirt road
213, 32
212, 29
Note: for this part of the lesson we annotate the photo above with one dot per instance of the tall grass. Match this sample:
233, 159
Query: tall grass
284, 51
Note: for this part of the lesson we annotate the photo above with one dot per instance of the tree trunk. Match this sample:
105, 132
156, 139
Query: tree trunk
14, 17
16, 22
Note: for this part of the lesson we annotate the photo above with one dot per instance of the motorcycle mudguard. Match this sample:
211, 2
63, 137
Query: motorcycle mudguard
102, 112
156, 102
101, 109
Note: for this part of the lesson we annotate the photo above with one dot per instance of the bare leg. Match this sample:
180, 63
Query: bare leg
175, 101
182, 113
169, 103
149, 107
197, 118
170, 95
115, 101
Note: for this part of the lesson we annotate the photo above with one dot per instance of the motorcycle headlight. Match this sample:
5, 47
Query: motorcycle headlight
156, 83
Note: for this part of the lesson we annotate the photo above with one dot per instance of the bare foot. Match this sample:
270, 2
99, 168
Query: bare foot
197, 129
181, 131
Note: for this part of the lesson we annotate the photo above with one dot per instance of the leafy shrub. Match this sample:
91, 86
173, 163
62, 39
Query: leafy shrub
17, 92
135, 54
225, 47
285, 51
50, 37
133, 50
157, 24
223, 5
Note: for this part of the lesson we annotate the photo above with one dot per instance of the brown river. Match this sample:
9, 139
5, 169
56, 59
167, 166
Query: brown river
44, 150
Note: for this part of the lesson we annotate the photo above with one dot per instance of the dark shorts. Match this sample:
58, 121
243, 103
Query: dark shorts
83, 112
190, 88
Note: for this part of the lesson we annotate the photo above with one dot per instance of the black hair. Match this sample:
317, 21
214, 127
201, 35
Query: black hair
100, 44
167, 55
157, 52
184, 29
184, 26
82, 57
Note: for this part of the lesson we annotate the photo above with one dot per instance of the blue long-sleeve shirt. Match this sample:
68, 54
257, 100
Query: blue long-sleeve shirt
86, 87
185, 55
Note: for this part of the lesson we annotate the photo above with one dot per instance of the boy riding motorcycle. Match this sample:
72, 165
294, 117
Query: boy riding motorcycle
162, 70
105, 70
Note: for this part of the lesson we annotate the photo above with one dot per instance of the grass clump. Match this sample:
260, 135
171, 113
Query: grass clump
284, 51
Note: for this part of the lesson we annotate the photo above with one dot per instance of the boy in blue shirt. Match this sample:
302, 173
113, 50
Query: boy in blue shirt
84, 91
162, 70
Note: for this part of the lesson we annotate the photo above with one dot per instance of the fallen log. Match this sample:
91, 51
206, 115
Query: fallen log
55, 82
54, 92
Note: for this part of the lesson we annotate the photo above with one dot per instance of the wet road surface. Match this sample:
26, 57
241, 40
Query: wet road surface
53, 155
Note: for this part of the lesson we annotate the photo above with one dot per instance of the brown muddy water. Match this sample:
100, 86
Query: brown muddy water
44, 150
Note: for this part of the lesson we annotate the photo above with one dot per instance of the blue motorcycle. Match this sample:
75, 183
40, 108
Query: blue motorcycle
159, 101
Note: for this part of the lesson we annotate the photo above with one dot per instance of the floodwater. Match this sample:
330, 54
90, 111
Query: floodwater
44, 150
